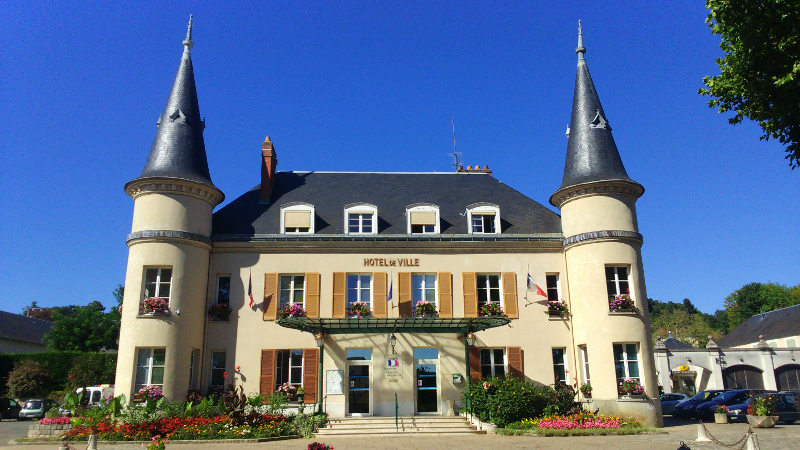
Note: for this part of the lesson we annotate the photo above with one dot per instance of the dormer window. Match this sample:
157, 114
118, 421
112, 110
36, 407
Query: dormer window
361, 218
483, 218
423, 219
297, 218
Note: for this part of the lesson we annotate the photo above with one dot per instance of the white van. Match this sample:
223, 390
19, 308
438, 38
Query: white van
97, 392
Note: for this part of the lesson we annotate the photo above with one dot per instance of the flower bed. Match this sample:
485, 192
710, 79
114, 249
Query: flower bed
582, 420
54, 421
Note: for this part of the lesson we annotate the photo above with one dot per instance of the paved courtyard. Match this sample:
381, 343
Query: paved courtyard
783, 437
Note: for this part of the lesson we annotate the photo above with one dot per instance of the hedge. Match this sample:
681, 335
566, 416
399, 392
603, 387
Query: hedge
58, 366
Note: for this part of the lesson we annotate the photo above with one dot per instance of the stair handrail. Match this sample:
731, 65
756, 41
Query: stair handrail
396, 409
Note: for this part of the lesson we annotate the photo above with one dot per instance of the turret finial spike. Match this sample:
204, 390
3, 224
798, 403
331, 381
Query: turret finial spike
188, 41
581, 49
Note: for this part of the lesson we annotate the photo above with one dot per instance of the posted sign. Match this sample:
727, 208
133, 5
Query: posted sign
393, 369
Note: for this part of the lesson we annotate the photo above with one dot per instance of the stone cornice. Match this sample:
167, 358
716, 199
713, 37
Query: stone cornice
195, 239
615, 235
619, 187
144, 186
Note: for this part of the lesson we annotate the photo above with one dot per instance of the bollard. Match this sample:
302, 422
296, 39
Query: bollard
702, 436
92, 442
750, 444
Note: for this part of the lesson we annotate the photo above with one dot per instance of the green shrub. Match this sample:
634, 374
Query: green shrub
27, 379
562, 401
506, 400
93, 368
58, 366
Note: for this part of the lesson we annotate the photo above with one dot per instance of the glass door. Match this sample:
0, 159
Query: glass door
359, 394
426, 363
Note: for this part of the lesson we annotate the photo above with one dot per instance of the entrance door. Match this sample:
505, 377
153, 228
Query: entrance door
426, 363
359, 393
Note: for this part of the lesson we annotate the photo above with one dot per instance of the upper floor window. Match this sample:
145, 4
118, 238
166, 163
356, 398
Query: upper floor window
423, 219
297, 218
483, 218
488, 289
292, 290
224, 290
157, 281
423, 287
361, 219
553, 288
617, 281
359, 290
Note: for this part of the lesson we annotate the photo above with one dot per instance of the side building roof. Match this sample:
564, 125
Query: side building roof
331, 192
773, 324
16, 327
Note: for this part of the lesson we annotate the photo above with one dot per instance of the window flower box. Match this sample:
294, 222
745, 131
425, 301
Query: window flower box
359, 309
622, 303
557, 308
630, 387
155, 306
287, 311
491, 309
219, 311
425, 308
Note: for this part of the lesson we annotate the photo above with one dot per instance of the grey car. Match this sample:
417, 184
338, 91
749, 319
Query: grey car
668, 402
35, 408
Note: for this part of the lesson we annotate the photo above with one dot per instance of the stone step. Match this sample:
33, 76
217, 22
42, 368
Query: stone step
355, 426
418, 420
433, 425
392, 431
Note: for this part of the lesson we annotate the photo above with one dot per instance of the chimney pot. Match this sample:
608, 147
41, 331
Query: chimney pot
469, 167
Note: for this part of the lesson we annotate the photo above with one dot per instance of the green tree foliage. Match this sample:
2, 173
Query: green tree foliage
84, 329
759, 72
91, 369
755, 298
28, 379
684, 320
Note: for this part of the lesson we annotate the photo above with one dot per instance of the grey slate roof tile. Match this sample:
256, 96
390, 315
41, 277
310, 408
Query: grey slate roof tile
774, 324
25, 329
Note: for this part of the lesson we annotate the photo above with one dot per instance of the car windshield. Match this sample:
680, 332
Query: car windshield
706, 395
33, 404
725, 396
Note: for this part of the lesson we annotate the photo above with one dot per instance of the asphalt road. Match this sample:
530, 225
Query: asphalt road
11, 429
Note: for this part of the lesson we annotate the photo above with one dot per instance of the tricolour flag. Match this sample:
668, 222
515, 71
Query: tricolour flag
532, 286
250, 290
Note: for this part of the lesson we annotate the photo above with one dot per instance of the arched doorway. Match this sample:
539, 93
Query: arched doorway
742, 377
788, 377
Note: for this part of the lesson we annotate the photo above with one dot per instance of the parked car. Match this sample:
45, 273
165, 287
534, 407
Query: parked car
705, 411
9, 409
668, 401
685, 410
98, 392
786, 407
35, 408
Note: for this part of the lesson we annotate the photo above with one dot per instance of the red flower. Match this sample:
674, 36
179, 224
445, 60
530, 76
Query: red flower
224, 374
238, 368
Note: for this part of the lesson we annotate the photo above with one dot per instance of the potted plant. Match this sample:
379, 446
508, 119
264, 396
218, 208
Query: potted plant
319, 446
359, 309
289, 390
425, 308
155, 305
586, 390
760, 413
557, 308
622, 303
721, 414
491, 309
219, 311
630, 386
301, 393
294, 310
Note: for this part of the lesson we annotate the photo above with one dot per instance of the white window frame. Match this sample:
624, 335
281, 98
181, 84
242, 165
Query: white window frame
359, 289
424, 287
488, 289
292, 289
290, 380
158, 282
230, 281
362, 209
194, 359
557, 288
617, 279
150, 358
563, 363
584, 363
492, 362
298, 207
626, 360
483, 209
423, 207
223, 368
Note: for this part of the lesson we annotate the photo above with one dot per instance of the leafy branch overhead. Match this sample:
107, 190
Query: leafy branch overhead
759, 77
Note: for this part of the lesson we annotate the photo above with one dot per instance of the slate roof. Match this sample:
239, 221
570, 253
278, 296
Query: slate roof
774, 324
330, 192
673, 344
592, 154
179, 150
16, 327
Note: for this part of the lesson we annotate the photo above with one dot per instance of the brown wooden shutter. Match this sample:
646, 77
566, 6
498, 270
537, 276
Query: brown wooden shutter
267, 383
271, 296
469, 288
311, 303
310, 374
445, 287
339, 289
515, 367
510, 295
475, 363
379, 295
404, 294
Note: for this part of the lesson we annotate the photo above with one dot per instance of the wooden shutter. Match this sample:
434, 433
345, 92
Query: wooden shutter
270, 296
469, 288
311, 303
267, 383
510, 295
444, 285
404, 293
475, 363
379, 295
515, 367
310, 374
339, 289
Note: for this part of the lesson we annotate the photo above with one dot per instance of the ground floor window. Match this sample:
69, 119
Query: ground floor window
288, 367
788, 378
742, 377
149, 367
559, 365
218, 368
493, 362
626, 362
585, 360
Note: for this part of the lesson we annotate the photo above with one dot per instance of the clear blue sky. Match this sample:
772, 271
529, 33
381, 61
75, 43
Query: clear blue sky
373, 86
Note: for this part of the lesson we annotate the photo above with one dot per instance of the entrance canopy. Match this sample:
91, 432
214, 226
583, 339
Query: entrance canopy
355, 325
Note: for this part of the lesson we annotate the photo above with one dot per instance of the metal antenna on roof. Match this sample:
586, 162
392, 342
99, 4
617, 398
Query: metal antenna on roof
455, 154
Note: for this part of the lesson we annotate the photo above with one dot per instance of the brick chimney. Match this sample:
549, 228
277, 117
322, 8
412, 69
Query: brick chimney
476, 169
269, 161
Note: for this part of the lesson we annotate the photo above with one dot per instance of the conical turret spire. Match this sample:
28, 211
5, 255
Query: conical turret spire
592, 154
178, 149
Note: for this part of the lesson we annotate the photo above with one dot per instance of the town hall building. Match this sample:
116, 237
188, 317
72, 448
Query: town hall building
377, 290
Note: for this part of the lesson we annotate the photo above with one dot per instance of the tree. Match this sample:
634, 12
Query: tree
684, 320
759, 77
755, 298
27, 379
87, 329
